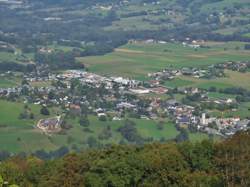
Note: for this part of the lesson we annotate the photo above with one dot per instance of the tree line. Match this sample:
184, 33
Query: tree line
205, 163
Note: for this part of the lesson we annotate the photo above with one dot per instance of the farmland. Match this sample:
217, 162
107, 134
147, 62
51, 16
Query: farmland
230, 80
136, 60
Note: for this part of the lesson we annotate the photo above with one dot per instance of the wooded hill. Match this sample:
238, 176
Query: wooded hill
187, 164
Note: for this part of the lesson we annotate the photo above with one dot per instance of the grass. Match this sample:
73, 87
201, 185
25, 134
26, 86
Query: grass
6, 83
194, 137
137, 60
243, 111
247, 35
18, 135
232, 79
177, 83
217, 95
41, 83
148, 128
17, 58
5, 56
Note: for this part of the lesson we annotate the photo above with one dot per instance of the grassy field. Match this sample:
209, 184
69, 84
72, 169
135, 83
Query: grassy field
5, 56
243, 111
232, 79
136, 60
18, 135
247, 35
8, 82
18, 58
41, 83
178, 83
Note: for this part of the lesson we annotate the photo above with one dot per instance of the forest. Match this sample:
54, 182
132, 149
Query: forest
206, 163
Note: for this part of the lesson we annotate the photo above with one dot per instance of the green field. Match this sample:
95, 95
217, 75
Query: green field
6, 83
247, 35
18, 135
178, 83
136, 60
12, 128
243, 111
5, 56
232, 79
17, 57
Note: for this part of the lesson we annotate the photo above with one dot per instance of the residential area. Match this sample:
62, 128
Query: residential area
80, 93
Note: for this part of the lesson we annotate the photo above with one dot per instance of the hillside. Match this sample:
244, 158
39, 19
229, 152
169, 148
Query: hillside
84, 28
186, 164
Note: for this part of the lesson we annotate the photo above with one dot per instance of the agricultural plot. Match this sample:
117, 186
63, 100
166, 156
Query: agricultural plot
136, 60
6, 83
232, 79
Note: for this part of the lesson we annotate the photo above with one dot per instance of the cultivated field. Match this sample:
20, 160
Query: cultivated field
232, 79
136, 60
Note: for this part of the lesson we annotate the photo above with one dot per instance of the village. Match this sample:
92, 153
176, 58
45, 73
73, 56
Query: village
112, 98
213, 71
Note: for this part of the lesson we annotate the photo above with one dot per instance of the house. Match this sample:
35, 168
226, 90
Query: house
75, 109
101, 114
183, 121
159, 90
140, 91
125, 105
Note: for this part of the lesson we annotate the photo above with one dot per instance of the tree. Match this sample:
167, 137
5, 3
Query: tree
1, 181
103, 118
129, 131
183, 136
44, 111
84, 121
247, 46
92, 142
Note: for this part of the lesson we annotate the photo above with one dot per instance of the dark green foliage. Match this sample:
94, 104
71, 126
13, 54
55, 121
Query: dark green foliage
44, 111
183, 136
129, 132
84, 121
182, 165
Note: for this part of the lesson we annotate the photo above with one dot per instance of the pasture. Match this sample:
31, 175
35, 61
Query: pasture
8, 82
138, 59
232, 79
18, 135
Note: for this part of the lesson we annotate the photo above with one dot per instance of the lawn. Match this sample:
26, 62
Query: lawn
138, 59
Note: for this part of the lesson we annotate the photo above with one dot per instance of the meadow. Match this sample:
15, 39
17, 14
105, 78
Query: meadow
8, 82
17, 135
138, 59
232, 79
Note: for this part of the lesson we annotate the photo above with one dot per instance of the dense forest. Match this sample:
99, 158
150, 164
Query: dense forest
186, 164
